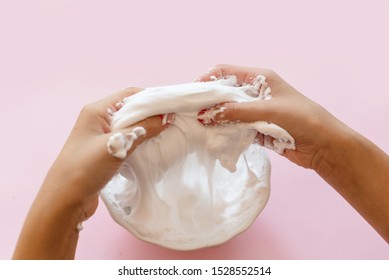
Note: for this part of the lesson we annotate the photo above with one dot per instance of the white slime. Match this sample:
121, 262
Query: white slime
119, 144
193, 185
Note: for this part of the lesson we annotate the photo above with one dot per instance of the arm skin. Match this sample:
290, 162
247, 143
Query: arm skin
69, 193
355, 167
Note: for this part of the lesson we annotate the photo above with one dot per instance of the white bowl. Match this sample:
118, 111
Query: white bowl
209, 214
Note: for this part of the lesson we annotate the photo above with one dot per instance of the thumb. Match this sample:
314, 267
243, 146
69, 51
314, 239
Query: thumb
260, 110
123, 142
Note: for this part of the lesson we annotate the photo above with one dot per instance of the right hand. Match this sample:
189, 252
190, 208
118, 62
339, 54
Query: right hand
313, 128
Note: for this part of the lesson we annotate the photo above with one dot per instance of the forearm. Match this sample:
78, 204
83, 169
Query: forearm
50, 230
359, 171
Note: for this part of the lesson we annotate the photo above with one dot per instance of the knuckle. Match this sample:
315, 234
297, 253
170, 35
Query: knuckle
269, 73
89, 109
220, 66
214, 70
128, 91
131, 90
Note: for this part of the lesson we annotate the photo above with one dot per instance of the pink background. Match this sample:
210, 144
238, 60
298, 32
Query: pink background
57, 56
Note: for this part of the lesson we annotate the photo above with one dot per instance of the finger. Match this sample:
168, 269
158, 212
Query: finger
245, 75
215, 71
264, 140
123, 142
106, 107
113, 100
152, 126
238, 112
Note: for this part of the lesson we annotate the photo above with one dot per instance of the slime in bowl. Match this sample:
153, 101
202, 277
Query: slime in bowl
192, 186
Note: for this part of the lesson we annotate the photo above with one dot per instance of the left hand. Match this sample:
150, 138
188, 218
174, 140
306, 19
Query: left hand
84, 166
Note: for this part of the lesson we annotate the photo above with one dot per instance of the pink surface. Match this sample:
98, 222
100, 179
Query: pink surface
58, 55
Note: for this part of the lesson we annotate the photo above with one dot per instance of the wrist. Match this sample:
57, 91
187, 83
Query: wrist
59, 207
342, 159
69, 195
357, 169
336, 156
